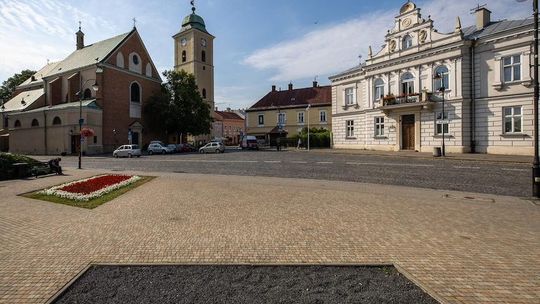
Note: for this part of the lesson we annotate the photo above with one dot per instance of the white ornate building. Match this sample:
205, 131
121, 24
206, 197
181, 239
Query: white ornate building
393, 101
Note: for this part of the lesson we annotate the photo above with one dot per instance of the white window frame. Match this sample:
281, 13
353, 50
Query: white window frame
350, 96
349, 128
512, 65
379, 126
378, 90
259, 116
281, 121
322, 114
301, 117
409, 82
439, 118
407, 42
512, 118
444, 81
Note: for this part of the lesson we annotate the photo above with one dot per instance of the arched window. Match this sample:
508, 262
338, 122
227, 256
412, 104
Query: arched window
407, 42
135, 59
204, 93
56, 121
203, 56
120, 60
379, 89
184, 56
35, 123
407, 84
87, 94
17, 123
148, 70
442, 78
135, 93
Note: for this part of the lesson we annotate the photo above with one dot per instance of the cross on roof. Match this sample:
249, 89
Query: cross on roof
134, 22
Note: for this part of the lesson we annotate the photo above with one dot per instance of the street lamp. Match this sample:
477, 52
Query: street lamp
95, 87
536, 160
440, 77
307, 112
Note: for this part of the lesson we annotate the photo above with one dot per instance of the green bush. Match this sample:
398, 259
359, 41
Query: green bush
318, 138
7, 160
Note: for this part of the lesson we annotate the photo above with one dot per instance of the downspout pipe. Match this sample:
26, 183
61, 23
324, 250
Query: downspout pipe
473, 95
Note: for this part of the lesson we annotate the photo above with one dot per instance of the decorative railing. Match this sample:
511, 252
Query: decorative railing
391, 100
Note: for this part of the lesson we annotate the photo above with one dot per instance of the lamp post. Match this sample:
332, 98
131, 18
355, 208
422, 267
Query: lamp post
95, 87
536, 160
307, 112
439, 77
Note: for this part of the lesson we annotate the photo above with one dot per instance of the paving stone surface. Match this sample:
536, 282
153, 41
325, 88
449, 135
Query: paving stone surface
460, 247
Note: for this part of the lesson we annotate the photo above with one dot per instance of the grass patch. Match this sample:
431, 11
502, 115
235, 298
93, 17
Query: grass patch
91, 204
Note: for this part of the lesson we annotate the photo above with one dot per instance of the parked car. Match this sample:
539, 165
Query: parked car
157, 142
213, 147
156, 148
185, 148
127, 151
173, 148
249, 142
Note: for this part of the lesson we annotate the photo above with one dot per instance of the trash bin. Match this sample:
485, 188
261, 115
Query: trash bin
437, 152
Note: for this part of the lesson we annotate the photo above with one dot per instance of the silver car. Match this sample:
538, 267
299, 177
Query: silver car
156, 148
213, 147
127, 151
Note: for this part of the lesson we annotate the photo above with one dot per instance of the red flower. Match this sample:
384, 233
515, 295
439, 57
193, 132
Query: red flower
95, 184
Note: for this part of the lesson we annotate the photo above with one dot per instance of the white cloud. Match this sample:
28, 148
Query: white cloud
336, 47
33, 31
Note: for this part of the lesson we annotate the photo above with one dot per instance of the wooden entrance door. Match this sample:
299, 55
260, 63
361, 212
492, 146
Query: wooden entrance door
75, 144
407, 132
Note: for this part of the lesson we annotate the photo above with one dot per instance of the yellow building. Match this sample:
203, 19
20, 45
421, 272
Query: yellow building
194, 53
285, 113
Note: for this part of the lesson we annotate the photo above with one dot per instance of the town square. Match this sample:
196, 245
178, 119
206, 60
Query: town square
257, 152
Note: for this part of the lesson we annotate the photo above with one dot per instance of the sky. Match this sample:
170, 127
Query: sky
258, 42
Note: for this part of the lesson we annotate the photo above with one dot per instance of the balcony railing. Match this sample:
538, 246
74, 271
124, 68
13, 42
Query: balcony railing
391, 100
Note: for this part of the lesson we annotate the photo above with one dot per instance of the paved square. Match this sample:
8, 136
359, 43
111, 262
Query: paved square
462, 250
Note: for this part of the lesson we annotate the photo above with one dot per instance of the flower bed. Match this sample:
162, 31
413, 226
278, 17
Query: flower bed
91, 188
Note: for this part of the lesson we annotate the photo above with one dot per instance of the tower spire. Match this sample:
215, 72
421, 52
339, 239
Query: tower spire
193, 6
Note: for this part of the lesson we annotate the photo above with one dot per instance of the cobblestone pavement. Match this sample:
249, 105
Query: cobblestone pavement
460, 247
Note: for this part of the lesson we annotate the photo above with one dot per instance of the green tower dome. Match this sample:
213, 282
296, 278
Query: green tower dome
193, 21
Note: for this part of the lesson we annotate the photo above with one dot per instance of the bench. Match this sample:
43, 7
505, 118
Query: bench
41, 168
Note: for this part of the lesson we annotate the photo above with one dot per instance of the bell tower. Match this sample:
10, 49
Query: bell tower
194, 53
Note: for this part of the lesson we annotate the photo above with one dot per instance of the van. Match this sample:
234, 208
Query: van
249, 142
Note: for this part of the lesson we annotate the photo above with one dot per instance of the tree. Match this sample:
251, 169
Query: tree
8, 86
178, 108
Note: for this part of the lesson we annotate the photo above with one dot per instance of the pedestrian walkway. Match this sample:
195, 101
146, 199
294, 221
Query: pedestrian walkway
453, 156
459, 247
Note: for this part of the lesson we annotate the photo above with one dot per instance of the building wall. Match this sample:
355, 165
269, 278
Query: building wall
54, 139
292, 125
475, 97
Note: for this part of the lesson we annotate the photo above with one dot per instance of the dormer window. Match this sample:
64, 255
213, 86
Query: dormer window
407, 42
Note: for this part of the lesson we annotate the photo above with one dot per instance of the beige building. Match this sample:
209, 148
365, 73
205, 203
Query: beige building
394, 100
285, 113
194, 53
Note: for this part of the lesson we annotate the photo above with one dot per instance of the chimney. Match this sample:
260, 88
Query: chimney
80, 38
315, 84
290, 86
483, 18
273, 88
216, 109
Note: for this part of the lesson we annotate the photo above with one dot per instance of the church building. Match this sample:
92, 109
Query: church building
102, 86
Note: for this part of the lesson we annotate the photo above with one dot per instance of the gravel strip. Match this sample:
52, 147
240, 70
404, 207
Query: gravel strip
243, 284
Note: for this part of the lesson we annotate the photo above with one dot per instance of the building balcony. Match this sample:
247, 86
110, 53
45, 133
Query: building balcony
424, 100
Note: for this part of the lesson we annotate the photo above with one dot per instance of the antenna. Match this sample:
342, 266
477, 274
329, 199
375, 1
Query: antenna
477, 8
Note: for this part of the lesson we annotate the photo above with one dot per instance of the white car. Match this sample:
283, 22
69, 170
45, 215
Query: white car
212, 147
156, 148
127, 151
